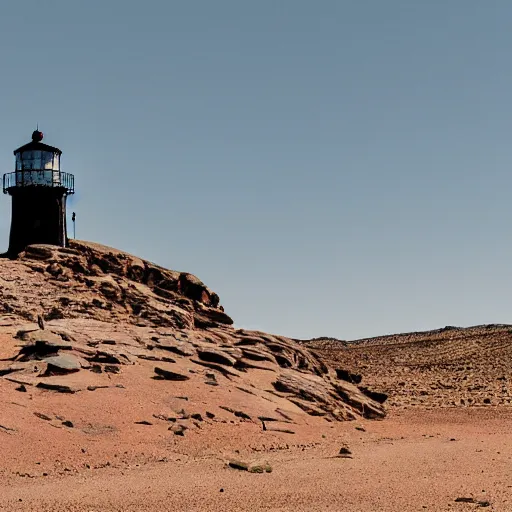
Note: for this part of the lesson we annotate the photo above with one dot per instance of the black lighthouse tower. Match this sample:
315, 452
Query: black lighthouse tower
39, 190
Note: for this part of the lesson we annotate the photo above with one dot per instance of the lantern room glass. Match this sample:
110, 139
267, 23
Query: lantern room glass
36, 167
37, 160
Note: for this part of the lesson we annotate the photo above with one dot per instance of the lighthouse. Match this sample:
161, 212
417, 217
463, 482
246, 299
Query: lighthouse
38, 189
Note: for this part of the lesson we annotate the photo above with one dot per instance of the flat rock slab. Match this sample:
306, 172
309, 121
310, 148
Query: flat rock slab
183, 348
216, 356
45, 338
170, 375
22, 379
257, 355
284, 430
227, 372
257, 365
63, 363
24, 329
28, 367
60, 388
6, 370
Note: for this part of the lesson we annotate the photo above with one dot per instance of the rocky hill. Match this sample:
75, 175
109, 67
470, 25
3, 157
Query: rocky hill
448, 367
86, 318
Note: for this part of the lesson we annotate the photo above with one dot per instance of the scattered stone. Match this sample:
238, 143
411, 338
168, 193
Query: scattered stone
68, 423
242, 414
164, 417
94, 388
267, 418
345, 452
61, 364
272, 428
196, 416
21, 388
178, 429
42, 416
183, 414
260, 468
210, 415
60, 388
169, 375
143, 422
211, 379
361, 429
238, 414
110, 368
238, 464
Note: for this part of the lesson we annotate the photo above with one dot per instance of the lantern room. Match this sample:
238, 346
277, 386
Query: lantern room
38, 164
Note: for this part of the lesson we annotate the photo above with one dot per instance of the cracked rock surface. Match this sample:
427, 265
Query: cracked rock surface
105, 311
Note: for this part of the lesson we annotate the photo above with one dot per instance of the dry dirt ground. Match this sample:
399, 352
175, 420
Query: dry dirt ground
134, 392
420, 461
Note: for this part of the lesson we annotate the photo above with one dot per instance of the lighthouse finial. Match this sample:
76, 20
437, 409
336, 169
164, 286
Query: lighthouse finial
37, 136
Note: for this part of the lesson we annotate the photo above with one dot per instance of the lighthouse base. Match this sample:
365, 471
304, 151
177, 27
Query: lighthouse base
38, 217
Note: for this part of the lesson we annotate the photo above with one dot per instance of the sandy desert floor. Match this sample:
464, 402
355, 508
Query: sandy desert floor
413, 460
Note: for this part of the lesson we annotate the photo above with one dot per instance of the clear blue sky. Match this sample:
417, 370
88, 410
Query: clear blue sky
329, 167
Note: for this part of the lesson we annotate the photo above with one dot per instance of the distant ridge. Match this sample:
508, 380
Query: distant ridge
446, 367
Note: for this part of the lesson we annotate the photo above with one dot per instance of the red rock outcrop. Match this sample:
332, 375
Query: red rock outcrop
104, 309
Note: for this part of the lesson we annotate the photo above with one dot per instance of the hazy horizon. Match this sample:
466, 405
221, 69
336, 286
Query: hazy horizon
329, 168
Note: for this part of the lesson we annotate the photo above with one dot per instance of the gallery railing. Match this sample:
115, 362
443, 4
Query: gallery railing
39, 178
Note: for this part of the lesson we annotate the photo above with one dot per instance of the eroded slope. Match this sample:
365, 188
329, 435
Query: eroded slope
109, 319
